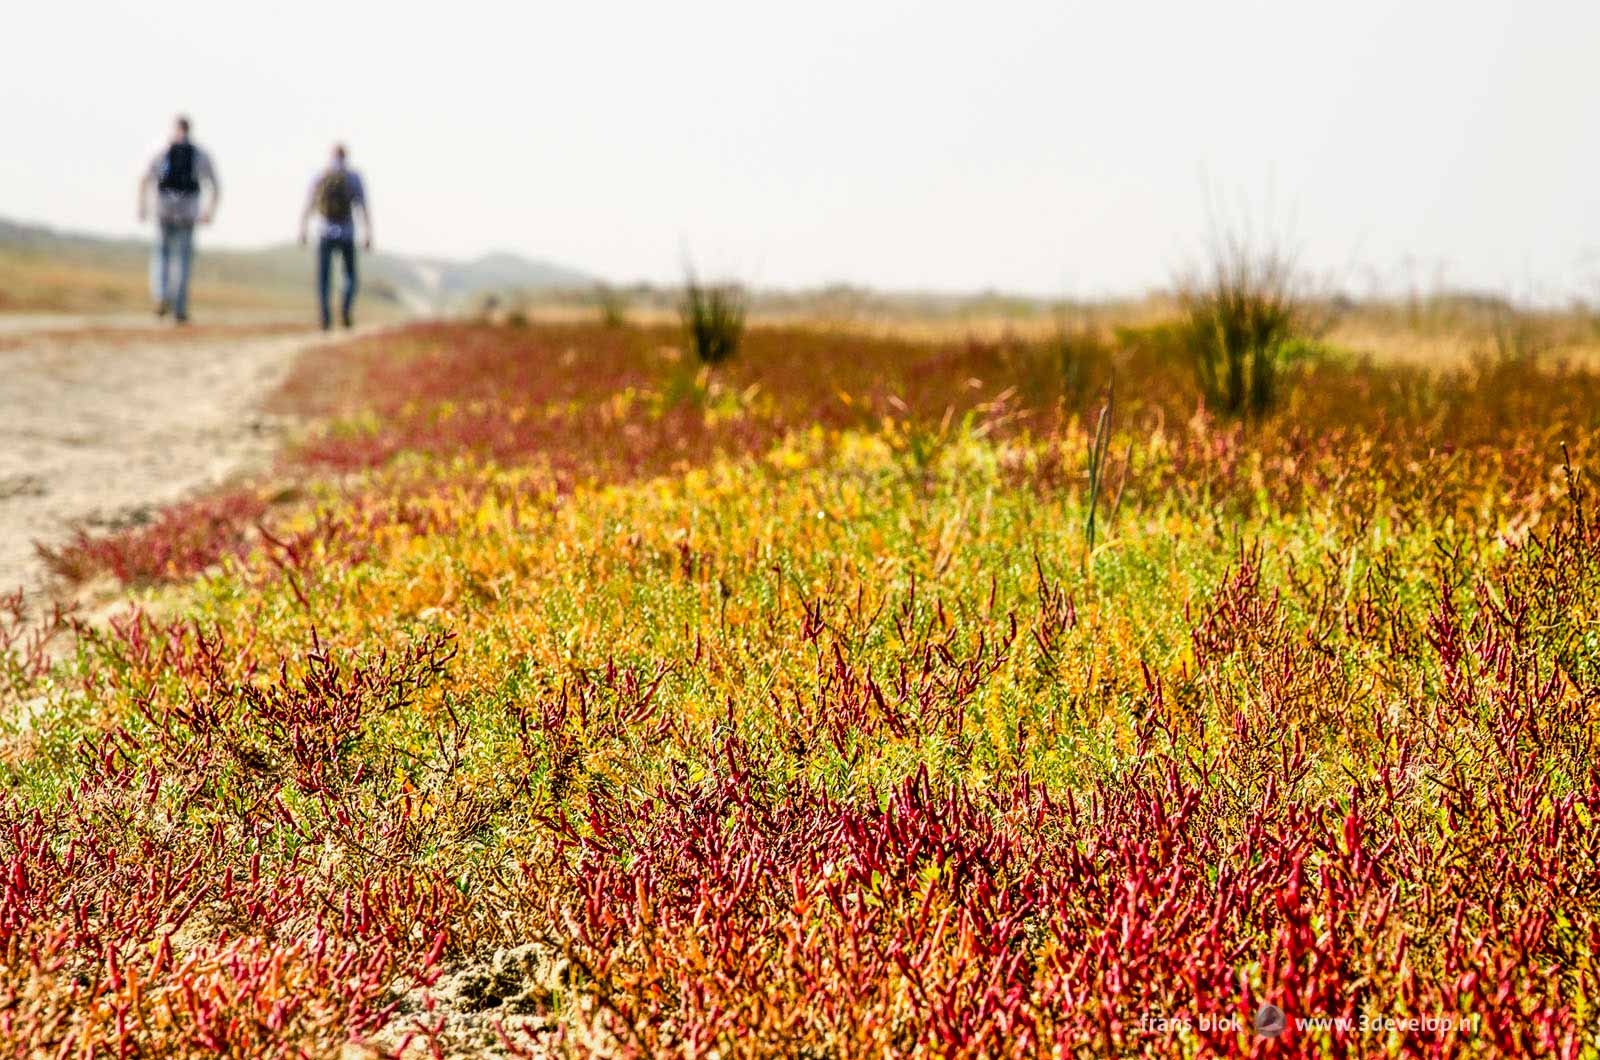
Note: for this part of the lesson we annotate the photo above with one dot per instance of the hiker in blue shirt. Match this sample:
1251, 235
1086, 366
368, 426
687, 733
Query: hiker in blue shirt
178, 173
335, 194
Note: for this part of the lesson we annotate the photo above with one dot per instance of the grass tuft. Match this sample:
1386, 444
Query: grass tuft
612, 305
1239, 324
714, 318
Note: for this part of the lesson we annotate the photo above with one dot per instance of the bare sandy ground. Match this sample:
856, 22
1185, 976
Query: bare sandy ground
102, 423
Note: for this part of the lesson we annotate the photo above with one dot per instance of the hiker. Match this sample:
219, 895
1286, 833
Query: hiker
177, 172
335, 194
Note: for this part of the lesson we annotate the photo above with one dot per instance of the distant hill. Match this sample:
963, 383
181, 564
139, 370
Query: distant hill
509, 272
272, 274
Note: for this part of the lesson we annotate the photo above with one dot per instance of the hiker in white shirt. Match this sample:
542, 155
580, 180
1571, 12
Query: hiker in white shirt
177, 173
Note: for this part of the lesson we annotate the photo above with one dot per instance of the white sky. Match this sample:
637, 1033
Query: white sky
1050, 147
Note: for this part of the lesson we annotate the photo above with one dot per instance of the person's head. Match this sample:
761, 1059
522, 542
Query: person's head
180, 129
338, 155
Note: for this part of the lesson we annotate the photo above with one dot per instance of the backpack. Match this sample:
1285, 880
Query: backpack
178, 171
335, 197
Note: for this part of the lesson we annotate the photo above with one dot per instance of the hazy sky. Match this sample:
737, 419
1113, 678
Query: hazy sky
1051, 147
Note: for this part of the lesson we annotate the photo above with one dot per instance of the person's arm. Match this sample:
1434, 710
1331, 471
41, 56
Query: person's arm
310, 208
215, 187
145, 180
360, 201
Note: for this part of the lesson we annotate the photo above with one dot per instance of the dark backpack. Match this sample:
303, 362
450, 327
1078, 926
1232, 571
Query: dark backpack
178, 171
335, 197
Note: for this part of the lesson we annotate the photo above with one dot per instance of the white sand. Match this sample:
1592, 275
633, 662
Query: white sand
103, 430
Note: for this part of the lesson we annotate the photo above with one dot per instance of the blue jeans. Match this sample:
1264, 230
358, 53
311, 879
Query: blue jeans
173, 252
346, 249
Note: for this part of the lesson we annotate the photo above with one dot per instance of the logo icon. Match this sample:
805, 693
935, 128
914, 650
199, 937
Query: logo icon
1270, 1021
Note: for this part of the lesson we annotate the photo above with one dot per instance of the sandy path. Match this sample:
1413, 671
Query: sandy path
101, 428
